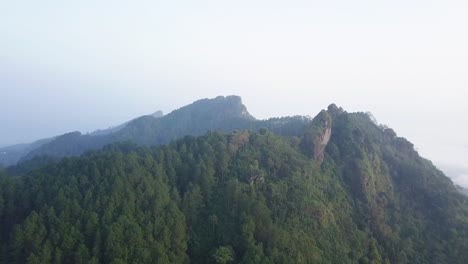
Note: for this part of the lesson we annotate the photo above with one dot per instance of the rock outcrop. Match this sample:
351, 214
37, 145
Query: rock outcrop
317, 136
321, 142
157, 114
322, 136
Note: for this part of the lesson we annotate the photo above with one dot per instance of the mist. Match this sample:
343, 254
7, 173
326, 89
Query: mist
91, 65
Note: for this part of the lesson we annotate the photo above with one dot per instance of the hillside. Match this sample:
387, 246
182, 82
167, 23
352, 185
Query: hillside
224, 114
342, 190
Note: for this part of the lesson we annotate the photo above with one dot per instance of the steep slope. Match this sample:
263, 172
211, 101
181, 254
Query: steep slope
404, 199
219, 114
345, 191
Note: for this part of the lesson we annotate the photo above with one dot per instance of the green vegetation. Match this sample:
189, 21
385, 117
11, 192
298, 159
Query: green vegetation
241, 197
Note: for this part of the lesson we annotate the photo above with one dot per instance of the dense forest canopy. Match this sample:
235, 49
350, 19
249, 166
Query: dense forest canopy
343, 190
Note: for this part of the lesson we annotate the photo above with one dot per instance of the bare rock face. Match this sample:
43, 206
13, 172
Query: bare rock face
317, 136
321, 141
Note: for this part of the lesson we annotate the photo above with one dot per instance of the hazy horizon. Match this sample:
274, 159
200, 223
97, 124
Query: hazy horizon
91, 65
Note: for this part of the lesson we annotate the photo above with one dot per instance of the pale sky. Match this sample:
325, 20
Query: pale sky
84, 65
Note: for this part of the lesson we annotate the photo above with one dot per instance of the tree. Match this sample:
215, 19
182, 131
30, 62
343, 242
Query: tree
223, 255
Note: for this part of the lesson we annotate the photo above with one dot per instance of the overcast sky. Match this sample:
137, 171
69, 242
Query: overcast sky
84, 65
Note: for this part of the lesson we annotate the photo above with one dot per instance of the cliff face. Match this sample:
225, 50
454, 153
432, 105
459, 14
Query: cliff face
322, 138
317, 136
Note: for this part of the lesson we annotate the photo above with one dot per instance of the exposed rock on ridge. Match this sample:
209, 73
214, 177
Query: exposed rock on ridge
317, 136
157, 114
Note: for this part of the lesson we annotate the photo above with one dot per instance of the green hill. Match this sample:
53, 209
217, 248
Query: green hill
342, 190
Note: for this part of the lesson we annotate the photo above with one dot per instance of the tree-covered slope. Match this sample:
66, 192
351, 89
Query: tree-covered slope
344, 191
408, 204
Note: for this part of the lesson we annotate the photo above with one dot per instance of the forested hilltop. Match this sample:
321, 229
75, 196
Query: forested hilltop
340, 189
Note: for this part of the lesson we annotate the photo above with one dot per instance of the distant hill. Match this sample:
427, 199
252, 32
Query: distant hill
219, 114
335, 189
10, 155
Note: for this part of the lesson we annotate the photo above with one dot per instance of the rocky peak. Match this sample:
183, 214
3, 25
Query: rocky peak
317, 136
157, 114
323, 137
334, 110
235, 106
220, 107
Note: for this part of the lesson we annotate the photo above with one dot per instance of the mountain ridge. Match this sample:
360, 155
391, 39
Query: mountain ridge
223, 113
340, 189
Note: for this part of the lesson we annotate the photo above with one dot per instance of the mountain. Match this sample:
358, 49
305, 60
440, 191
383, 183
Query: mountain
111, 130
219, 114
12, 154
342, 190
